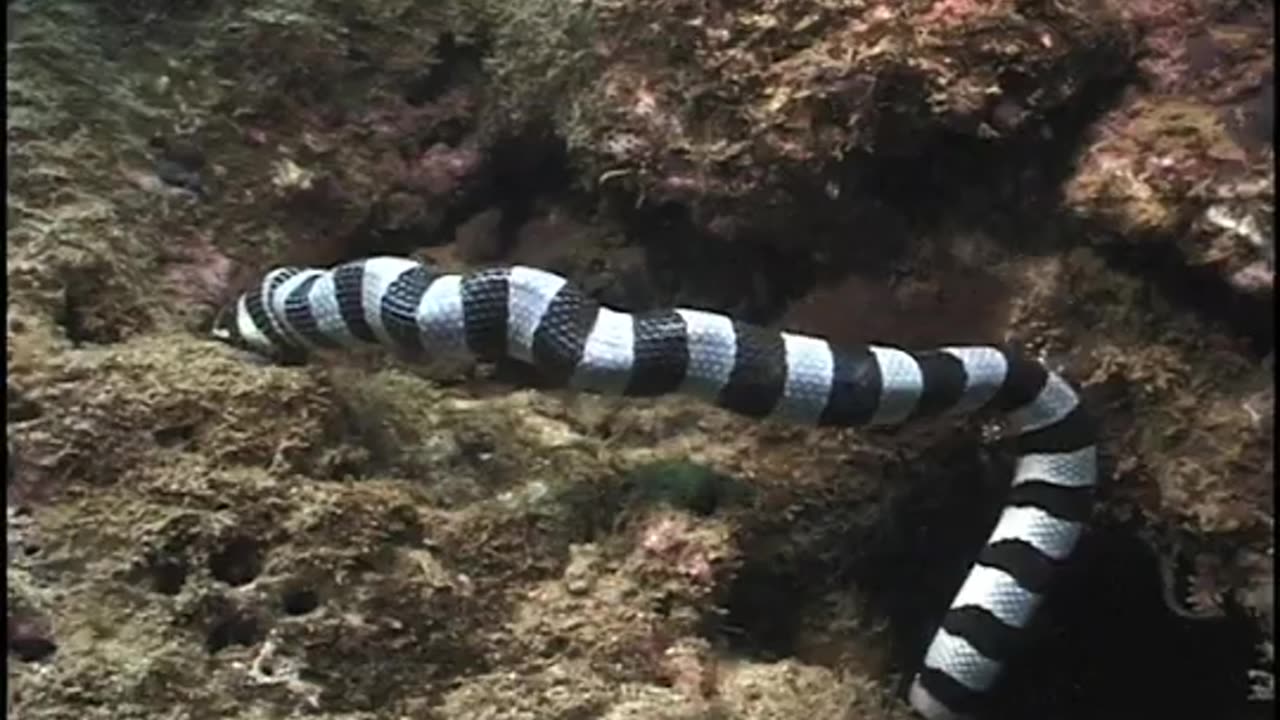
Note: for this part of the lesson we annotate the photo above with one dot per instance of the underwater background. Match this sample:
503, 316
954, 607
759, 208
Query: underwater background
191, 535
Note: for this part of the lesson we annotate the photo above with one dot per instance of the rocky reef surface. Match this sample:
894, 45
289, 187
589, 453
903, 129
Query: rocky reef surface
194, 535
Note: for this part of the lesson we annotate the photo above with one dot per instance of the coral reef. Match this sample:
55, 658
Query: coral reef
1189, 161
193, 533
753, 114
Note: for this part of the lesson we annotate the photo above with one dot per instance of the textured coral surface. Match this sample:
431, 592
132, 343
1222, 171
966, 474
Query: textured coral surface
194, 534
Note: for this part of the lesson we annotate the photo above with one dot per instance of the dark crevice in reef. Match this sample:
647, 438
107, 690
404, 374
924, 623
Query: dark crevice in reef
1199, 289
21, 407
532, 165
683, 268
757, 623
71, 317
1012, 190
459, 63
517, 172
1104, 643
1007, 188
784, 570
908, 572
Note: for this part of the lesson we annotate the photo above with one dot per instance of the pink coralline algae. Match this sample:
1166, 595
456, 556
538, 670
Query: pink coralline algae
199, 273
673, 540
442, 169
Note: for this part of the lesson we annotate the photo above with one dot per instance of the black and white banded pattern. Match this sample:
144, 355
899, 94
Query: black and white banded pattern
540, 318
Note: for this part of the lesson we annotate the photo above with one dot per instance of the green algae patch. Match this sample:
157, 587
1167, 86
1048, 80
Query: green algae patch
686, 485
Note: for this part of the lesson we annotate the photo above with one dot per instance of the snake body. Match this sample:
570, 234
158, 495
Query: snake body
541, 318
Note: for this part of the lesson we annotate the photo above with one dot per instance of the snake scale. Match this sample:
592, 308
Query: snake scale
541, 318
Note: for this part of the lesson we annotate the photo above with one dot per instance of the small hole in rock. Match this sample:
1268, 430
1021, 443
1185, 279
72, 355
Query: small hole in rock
238, 562
663, 606
22, 408
245, 631
168, 576
28, 642
71, 317
300, 601
174, 436
32, 648
555, 646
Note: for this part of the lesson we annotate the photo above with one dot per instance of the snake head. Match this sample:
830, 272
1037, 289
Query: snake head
224, 328
238, 326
